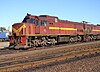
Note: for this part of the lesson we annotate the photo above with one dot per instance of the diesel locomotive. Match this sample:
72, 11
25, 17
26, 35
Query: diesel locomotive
47, 30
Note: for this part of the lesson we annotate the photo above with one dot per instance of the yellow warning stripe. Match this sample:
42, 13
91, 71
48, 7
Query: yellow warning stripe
68, 29
14, 30
60, 28
96, 30
54, 28
19, 29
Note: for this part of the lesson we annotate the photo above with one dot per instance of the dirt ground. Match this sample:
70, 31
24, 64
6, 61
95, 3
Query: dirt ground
4, 44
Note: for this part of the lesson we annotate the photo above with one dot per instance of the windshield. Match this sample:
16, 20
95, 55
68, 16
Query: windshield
30, 20
27, 20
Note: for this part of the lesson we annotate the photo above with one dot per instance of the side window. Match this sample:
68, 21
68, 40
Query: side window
43, 22
36, 23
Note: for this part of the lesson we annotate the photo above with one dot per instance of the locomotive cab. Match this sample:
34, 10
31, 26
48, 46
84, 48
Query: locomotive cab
21, 31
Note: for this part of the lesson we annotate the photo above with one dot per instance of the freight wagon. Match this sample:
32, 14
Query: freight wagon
46, 30
3, 36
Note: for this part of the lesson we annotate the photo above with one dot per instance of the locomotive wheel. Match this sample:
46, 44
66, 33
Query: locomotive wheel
53, 41
44, 43
35, 43
79, 38
87, 38
94, 37
71, 40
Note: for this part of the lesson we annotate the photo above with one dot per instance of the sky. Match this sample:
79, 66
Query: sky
14, 11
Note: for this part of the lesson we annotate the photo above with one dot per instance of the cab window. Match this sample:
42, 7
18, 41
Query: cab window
43, 22
30, 20
36, 23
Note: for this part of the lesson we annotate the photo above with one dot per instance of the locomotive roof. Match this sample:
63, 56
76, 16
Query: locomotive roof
29, 15
41, 15
47, 16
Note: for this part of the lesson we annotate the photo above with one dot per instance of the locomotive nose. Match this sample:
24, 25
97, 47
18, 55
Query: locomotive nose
18, 28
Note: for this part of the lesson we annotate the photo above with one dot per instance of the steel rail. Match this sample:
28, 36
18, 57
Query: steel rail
51, 60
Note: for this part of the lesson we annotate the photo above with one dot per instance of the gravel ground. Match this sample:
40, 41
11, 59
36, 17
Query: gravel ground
84, 65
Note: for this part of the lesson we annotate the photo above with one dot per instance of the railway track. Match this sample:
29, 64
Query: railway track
21, 61
10, 51
48, 60
21, 55
13, 51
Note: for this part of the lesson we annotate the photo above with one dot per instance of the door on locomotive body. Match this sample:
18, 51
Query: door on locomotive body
37, 28
80, 28
43, 27
88, 28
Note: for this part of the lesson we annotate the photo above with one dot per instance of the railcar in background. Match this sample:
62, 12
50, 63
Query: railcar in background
46, 30
4, 34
